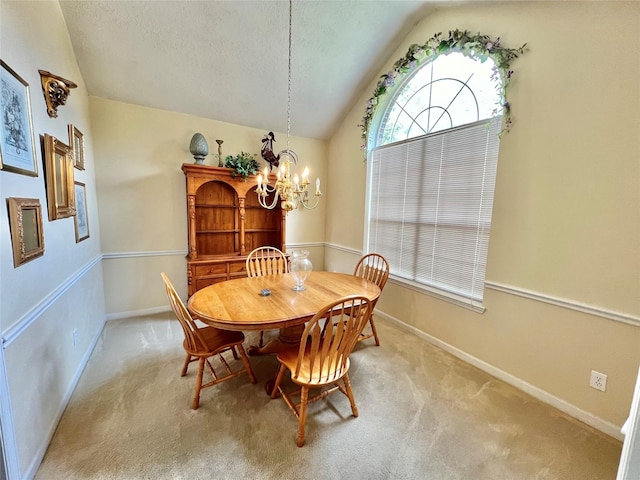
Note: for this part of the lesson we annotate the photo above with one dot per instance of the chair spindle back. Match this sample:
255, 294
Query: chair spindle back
329, 338
266, 261
193, 338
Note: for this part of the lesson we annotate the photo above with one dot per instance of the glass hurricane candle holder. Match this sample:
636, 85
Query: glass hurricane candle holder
300, 268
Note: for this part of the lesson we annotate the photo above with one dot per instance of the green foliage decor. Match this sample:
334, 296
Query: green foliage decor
243, 164
475, 46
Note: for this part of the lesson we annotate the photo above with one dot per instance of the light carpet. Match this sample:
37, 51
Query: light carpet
424, 414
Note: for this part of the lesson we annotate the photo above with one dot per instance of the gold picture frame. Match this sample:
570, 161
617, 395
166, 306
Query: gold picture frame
76, 147
81, 220
59, 179
25, 222
17, 142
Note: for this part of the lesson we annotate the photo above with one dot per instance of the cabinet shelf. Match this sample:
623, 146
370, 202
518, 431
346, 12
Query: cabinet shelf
204, 205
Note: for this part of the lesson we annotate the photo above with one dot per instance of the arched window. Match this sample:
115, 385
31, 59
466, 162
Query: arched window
451, 90
433, 135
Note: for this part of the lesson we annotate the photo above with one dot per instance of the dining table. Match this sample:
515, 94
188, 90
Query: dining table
269, 302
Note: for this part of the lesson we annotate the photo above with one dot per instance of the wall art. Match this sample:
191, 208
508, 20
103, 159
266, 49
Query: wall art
17, 143
25, 222
58, 170
82, 213
76, 146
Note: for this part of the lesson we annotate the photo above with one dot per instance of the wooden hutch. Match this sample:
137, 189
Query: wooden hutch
225, 223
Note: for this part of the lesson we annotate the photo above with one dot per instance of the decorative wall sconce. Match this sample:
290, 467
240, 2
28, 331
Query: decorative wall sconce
56, 90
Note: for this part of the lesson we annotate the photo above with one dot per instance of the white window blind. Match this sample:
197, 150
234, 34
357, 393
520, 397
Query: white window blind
430, 206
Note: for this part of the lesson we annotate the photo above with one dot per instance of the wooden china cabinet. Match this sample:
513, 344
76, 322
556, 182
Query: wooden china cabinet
225, 223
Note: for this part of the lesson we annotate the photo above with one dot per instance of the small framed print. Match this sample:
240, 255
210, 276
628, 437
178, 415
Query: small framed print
82, 214
58, 172
76, 146
25, 222
17, 143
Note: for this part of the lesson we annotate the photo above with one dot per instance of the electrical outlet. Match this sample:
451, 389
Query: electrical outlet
598, 381
75, 336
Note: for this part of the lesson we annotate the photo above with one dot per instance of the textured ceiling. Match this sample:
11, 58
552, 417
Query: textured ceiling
227, 60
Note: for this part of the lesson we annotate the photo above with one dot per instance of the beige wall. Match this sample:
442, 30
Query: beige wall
566, 227
43, 301
139, 153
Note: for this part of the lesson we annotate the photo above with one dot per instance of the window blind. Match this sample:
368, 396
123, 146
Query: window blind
430, 206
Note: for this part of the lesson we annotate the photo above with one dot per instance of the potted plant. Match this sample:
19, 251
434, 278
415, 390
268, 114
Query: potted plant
243, 164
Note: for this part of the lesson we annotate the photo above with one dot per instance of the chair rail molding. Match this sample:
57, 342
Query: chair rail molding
566, 303
155, 253
342, 248
14, 331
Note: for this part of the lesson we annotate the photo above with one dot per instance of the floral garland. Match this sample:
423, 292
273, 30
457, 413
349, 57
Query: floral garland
475, 46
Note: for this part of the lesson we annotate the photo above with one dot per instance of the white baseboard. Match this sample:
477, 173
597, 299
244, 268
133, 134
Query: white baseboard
138, 313
545, 397
44, 444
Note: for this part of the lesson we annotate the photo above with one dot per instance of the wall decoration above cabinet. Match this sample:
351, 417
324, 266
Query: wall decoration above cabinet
58, 170
199, 148
56, 90
17, 143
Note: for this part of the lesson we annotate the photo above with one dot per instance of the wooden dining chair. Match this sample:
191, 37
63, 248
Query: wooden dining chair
322, 360
375, 268
266, 261
202, 343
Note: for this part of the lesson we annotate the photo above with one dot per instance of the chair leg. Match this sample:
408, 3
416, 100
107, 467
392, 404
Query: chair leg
276, 384
186, 365
375, 332
261, 342
347, 386
302, 417
196, 396
247, 363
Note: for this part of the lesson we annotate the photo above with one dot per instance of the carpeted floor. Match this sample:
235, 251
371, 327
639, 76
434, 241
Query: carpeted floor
424, 414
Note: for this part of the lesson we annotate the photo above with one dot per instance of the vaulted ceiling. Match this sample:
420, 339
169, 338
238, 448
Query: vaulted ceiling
228, 60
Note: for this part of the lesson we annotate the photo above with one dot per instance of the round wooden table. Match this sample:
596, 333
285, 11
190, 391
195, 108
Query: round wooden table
238, 305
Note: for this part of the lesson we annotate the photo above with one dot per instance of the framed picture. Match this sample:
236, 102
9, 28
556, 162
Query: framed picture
25, 222
17, 144
58, 171
76, 145
82, 214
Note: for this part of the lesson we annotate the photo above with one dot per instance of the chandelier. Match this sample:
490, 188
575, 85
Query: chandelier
291, 192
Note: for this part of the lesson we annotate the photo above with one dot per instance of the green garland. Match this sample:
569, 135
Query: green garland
476, 46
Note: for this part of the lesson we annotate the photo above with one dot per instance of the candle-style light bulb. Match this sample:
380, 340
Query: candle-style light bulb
318, 192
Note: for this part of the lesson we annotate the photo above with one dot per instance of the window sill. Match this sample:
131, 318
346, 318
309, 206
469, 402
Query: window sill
473, 305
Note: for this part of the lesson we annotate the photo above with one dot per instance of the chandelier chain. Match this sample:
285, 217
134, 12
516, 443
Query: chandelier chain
289, 78
290, 191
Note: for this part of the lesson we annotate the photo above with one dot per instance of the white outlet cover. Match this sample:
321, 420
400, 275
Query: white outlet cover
598, 381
